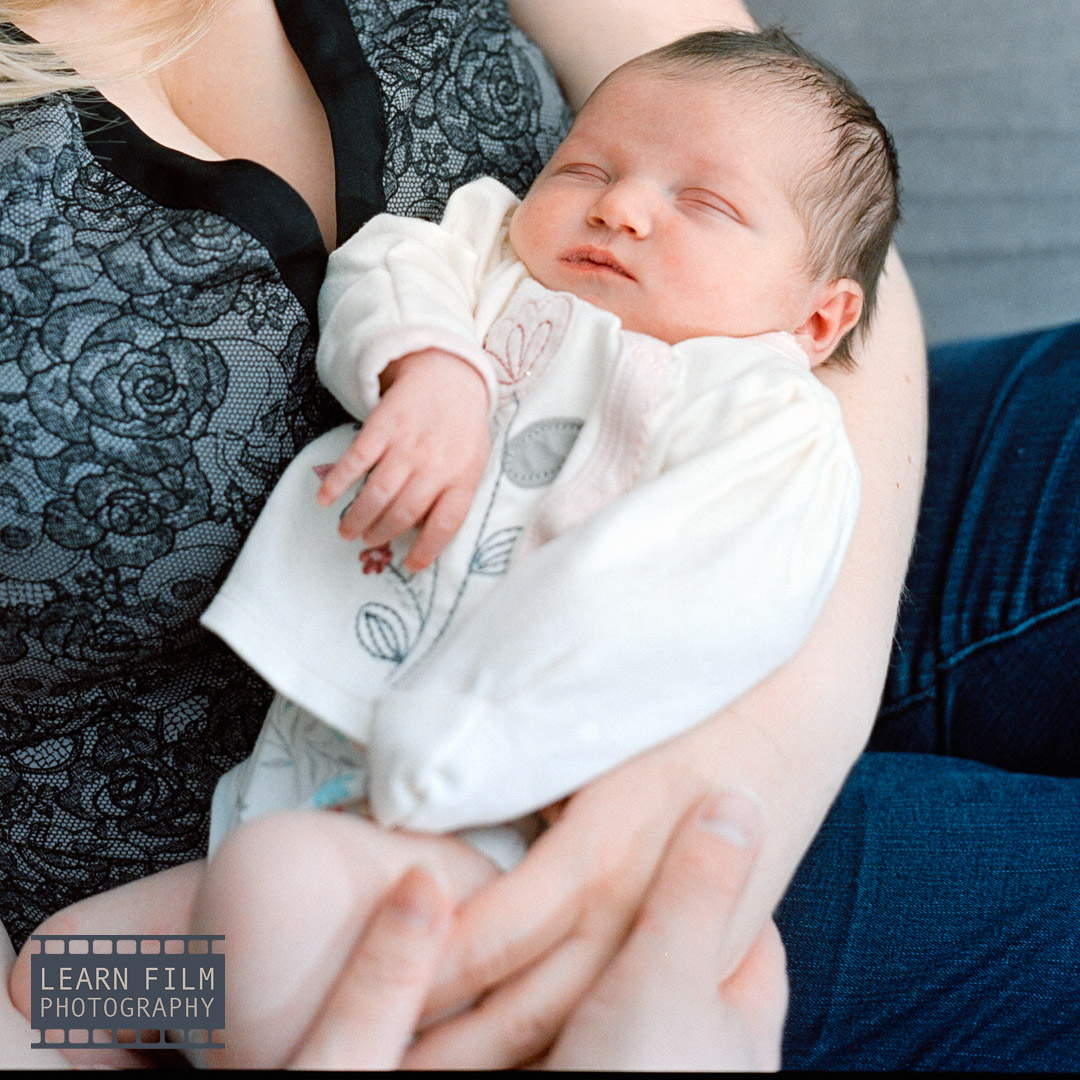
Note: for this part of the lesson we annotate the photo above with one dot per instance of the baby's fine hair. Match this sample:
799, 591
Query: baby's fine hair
849, 201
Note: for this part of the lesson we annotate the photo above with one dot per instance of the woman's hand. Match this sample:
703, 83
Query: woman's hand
369, 1016
660, 1004
535, 940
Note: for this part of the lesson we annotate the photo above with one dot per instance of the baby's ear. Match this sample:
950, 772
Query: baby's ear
837, 308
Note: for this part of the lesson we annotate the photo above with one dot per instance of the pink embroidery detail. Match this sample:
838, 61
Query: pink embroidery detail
377, 559
524, 341
615, 461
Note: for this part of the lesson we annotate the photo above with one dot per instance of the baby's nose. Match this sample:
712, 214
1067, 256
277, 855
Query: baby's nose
623, 206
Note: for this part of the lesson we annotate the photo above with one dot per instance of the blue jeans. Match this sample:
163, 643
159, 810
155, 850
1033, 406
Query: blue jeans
935, 922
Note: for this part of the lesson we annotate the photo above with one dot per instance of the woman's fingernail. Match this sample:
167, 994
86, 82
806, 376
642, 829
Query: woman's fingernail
732, 816
415, 899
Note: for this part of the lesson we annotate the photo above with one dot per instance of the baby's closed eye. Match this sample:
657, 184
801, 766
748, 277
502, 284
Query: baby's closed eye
581, 170
700, 200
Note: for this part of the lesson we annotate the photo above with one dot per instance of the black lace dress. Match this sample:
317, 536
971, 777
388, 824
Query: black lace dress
156, 375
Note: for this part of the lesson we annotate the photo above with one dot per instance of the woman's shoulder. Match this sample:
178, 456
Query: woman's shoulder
48, 182
466, 94
36, 138
49, 178
415, 31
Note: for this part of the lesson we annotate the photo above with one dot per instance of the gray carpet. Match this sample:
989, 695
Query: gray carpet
983, 99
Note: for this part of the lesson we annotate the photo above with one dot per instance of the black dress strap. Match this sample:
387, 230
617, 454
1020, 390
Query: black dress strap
246, 193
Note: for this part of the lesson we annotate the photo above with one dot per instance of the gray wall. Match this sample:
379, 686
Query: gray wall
983, 99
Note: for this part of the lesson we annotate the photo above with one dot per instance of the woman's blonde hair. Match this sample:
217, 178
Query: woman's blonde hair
156, 33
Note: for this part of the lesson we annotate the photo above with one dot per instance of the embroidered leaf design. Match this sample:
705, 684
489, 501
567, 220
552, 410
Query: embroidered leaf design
534, 457
493, 555
382, 632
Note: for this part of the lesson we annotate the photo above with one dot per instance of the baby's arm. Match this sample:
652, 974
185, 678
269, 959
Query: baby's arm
401, 349
617, 635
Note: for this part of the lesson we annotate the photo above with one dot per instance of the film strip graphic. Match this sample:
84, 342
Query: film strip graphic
132, 991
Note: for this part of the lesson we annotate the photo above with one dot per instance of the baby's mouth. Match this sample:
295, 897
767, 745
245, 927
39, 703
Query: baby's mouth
596, 259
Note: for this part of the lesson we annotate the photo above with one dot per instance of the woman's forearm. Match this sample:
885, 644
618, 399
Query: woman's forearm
586, 39
794, 737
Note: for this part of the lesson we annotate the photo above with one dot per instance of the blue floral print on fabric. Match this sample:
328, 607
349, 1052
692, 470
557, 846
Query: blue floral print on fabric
156, 376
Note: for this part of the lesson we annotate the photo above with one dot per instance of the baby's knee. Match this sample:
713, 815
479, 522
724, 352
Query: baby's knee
19, 982
276, 863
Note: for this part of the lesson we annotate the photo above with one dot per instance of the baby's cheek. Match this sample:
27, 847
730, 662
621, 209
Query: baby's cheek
532, 237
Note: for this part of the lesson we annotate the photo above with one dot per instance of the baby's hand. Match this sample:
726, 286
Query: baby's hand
425, 446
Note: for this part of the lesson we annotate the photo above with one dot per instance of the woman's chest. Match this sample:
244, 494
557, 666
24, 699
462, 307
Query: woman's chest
243, 92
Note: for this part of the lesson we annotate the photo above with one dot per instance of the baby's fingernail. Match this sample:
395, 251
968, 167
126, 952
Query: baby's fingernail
321, 470
415, 899
732, 816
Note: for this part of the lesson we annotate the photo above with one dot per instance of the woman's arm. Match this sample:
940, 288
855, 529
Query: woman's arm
540, 934
536, 938
586, 40
795, 736
813, 715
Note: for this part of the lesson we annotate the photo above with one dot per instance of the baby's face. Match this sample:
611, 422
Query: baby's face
668, 204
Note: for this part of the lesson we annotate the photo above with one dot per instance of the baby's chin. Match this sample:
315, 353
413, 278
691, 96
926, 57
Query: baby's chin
638, 323
628, 315
633, 316
642, 322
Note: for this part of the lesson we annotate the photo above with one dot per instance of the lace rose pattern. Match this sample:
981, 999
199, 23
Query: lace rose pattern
155, 379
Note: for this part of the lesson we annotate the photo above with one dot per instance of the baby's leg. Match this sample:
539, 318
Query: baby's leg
158, 904
291, 893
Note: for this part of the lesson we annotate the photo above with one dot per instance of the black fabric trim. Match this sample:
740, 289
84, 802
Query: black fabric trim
323, 37
248, 194
244, 192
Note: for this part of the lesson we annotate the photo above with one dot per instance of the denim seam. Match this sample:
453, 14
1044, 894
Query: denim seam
909, 699
930, 691
1003, 635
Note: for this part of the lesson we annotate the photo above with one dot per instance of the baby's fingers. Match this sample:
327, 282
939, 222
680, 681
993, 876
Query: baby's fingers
439, 528
384, 486
409, 507
363, 452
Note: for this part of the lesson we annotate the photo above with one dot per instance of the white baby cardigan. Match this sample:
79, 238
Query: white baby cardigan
656, 531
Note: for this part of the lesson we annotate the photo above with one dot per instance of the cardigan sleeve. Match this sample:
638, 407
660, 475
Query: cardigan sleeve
400, 285
620, 633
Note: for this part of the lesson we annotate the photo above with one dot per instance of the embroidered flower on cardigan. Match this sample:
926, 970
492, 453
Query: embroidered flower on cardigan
523, 343
376, 559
